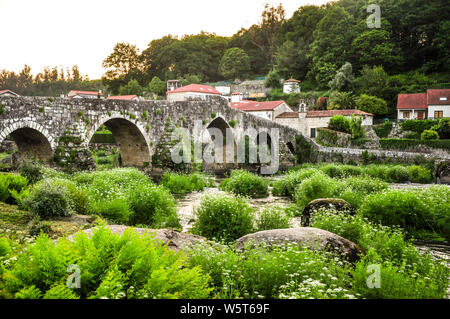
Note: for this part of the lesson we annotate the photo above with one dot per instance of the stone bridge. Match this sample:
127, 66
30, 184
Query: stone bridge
59, 130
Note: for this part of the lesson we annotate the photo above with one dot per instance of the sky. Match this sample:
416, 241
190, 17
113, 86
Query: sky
63, 33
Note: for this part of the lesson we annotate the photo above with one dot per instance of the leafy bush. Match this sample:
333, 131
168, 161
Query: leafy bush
418, 126
117, 267
223, 217
47, 199
274, 272
10, 184
418, 174
31, 170
340, 123
272, 217
318, 185
405, 272
356, 127
245, 183
153, 205
443, 128
397, 174
117, 210
150, 204
287, 185
429, 135
372, 104
397, 208
181, 184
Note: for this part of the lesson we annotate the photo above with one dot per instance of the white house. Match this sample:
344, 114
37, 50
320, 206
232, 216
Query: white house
8, 93
291, 86
268, 110
192, 91
433, 104
173, 85
75, 94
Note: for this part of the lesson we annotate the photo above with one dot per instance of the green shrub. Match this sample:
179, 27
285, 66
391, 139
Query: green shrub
223, 217
182, 184
287, 185
429, 135
48, 200
340, 123
10, 184
372, 104
31, 170
116, 210
128, 266
245, 183
408, 273
272, 217
397, 208
418, 174
274, 272
417, 126
153, 205
397, 174
318, 185
5, 247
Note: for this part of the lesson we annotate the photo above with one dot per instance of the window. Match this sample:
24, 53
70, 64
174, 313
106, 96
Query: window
438, 114
443, 99
406, 115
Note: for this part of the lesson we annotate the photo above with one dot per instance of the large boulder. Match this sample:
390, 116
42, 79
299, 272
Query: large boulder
313, 238
443, 172
174, 240
337, 204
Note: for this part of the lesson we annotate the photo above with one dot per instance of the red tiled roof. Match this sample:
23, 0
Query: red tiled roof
288, 115
250, 106
122, 97
236, 93
291, 80
6, 91
330, 113
434, 97
412, 101
197, 88
85, 92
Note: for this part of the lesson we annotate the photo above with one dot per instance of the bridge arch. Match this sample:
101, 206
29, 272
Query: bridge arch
32, 140
229, 153
133, 142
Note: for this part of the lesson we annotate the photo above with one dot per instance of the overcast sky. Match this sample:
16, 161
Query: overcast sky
63, 32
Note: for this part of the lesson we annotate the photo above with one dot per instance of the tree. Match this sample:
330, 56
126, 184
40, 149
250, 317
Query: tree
286, 58
132, 87
272, 80
264, 35
235, 63
375, 47
343, 80
191, 79
157, 86
373, 81
332, 40
122, 65
341, 101
372, 104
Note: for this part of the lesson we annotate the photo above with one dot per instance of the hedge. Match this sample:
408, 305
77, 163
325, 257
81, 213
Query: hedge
404, 143
417, 126
383, 130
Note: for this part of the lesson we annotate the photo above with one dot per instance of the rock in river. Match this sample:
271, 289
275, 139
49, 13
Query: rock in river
313, 238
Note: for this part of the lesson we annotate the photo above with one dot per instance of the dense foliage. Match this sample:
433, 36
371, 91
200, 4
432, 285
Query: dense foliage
223, 217
110, 266
245, 183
